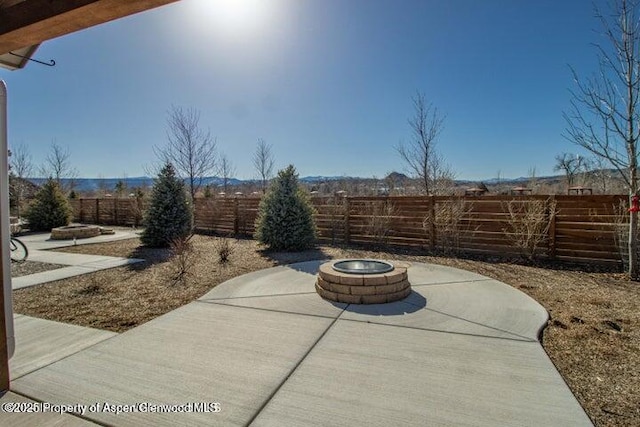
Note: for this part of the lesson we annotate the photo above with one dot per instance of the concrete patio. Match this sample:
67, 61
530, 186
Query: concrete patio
462, 349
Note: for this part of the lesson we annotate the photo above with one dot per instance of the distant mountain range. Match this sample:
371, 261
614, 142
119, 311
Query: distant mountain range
109, 184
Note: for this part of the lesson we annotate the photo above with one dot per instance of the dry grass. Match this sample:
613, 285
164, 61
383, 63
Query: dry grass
593, 336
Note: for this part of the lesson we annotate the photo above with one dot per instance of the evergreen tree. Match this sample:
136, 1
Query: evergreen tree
207, 191
120, 188
285, 217
169, 216
50, 209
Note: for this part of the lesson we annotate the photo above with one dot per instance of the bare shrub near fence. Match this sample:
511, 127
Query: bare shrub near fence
620, 227
330, 217
380, 215
447, 220
337, 207
528, 223
137, 209
224, 248
183, 259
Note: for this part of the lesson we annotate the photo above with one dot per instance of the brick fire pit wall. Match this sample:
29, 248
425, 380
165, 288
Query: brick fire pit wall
363, 288
75, 231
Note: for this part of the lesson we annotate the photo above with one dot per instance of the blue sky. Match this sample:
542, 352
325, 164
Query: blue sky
327, 83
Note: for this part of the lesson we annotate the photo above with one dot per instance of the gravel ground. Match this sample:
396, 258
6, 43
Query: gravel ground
593, 336
25, 268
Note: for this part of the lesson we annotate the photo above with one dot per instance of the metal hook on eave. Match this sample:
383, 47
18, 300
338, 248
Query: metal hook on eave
51, 63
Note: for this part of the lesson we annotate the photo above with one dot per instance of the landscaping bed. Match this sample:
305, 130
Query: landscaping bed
593, 336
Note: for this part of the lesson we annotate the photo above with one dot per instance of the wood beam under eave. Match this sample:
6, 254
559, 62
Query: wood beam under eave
32, 22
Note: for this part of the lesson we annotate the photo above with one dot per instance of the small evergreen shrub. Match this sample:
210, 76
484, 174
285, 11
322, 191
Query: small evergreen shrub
285, 217
50, 208
169, 216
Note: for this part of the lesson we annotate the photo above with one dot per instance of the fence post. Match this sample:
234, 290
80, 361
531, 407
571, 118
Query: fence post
347, 231
432, 225
213, 207
81, 212
551, 211
97, 210
236, 217
335, 219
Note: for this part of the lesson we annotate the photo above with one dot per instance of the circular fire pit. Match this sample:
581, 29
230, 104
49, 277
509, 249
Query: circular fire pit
74, 231
362, 266
363, 281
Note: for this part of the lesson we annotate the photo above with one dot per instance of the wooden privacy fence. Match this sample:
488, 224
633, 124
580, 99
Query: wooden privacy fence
573, 228
109, 210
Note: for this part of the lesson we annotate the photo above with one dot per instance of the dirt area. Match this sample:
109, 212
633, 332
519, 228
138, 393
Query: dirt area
593, 336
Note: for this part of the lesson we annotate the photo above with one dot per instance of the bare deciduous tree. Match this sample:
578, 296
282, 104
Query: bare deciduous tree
227, 170
420, 154
190, 149
571, 165
604, 118
21, 165
101, 186
444, 177
263, 162
57, 166
601, 177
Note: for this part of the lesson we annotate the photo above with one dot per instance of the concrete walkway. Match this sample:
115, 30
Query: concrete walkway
461, 350
42, 241
40, 249
41, 342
